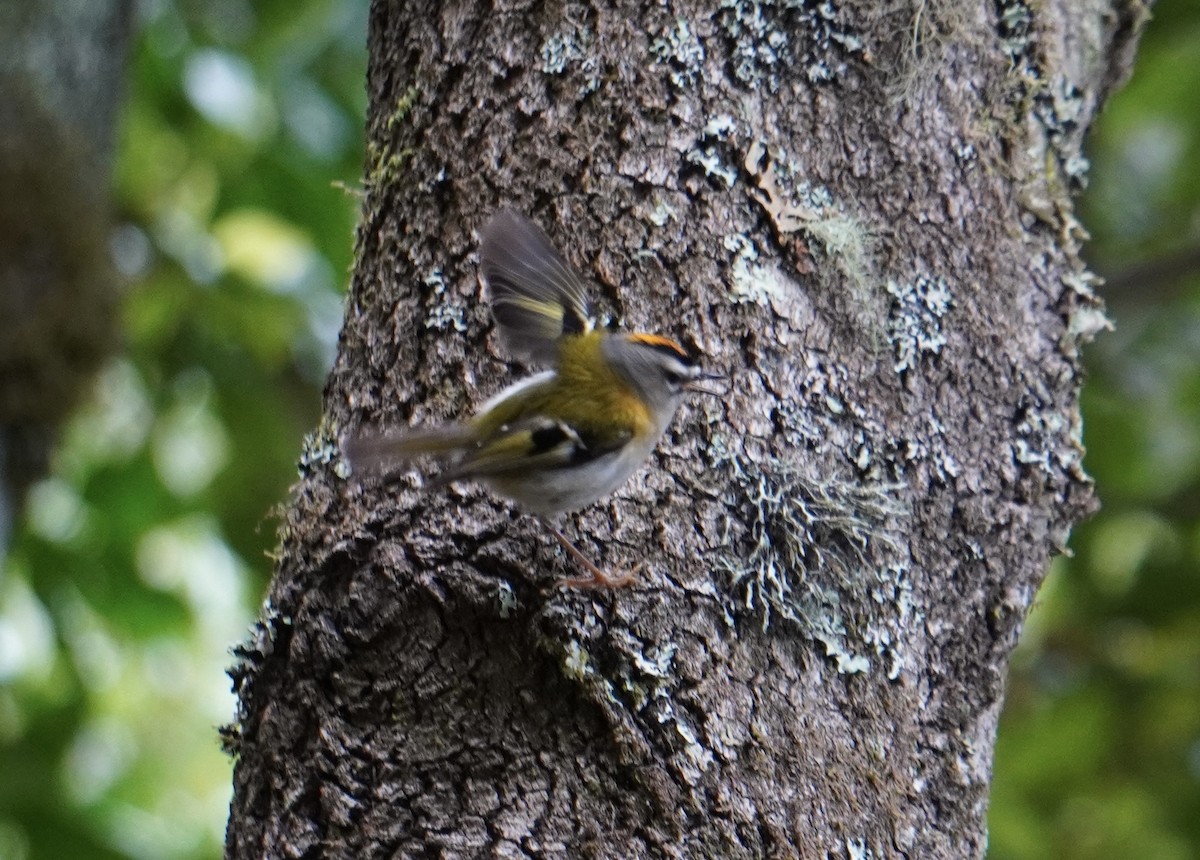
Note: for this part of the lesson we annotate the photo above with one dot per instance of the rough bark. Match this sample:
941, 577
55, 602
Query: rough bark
862, 214
61, 69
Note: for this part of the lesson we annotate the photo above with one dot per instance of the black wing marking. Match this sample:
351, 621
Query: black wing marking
534, 443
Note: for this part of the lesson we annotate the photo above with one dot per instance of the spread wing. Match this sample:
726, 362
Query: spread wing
536, 296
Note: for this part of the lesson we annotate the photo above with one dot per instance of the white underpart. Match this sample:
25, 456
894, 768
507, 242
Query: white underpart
548, 492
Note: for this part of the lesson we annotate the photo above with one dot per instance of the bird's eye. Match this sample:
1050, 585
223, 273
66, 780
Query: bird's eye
673, 379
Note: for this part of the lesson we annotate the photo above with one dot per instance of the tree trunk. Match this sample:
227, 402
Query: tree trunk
62, 65
861, 213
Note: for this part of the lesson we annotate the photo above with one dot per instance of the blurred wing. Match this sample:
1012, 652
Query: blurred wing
536, 296
534, 444
537, 443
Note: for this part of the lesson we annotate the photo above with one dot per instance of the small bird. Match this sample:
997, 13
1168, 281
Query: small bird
561, 439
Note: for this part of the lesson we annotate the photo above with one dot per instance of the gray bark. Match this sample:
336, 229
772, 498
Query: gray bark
862, 213
61, 72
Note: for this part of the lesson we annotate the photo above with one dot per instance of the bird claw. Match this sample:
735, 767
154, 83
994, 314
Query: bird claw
597, 577
600, 578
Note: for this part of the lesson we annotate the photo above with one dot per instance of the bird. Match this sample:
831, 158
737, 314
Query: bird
561, 439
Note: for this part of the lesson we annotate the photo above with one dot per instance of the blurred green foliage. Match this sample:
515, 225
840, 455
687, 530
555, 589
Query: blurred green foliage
1099, 749
143, 557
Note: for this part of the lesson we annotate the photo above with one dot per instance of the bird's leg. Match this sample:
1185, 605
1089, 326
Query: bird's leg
597, 577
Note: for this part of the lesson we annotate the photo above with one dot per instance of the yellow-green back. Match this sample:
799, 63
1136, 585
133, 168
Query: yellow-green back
585, 393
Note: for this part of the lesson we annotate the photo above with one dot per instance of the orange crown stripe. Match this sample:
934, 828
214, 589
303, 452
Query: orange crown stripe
659, 341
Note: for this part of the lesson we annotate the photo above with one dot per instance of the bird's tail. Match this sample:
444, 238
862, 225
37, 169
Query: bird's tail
378, 453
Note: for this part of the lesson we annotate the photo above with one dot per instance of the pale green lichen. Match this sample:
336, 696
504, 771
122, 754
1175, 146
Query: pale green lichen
709, 159
1082, 283
699, 756
647, 676
933, 27
662, 213
720, 126
506, 600
891, 592
1048, 154
814, 552
915, 319
817, 380
1086, 317
680, 50
658, 663
751, 281
1017, 36
1086, 322
795, 205
706, 152
320, 448
559, 51
772, 37
578, 665
444, 314
638, 686
1059, 107
576, 662
1042, 436
907, 451
965, 152
572, 48
844, 239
